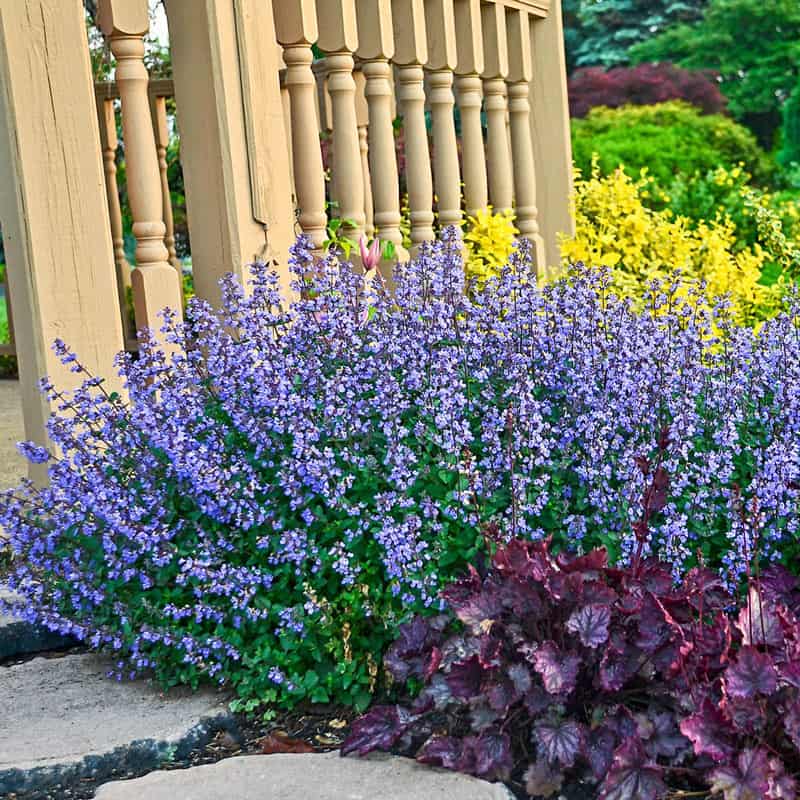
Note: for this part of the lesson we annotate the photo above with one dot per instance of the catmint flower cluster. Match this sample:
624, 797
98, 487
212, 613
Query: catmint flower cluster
288, 482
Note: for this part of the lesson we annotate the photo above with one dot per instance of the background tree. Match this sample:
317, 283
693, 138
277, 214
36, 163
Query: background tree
754, 45
607, 29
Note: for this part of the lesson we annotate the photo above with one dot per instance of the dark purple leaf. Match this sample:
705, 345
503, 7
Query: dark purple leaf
432, 663
599, 748
781, 785
465, 678
791, 722
659, 732
748, 779
441, 751
492, 759
378, 729
521, 677
632, 775
752, 673
590, 624
589, 564
482, 715
542, 780
558, 670
407, 656
758, 622
656, 628
537, 700
479, 609
621, 661
704, 587
438, 690
559, 741
789, 672
780, 586
501, 693
709, 732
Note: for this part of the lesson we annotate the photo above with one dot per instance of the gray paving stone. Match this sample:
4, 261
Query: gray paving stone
62, 719
20, 638
313, 776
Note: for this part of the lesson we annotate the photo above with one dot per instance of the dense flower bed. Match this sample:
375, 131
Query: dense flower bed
281, 492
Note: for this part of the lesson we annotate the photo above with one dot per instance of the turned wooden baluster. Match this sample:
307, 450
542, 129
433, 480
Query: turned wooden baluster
469, 40
442, 59
411, 52
154, 280
161, 128
296, 29
106, 116
495, 49
338, 38
519, 78
375, 49
362, 119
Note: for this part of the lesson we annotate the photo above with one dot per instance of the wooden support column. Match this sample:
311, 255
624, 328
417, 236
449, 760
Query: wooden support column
411, 52
495, 49
552, 147
107, 119
362, 120
233, 148
375, 49
469, 41
158, 110
338, 38
442, 58
519, 77
154, 280
296, 27
53, 202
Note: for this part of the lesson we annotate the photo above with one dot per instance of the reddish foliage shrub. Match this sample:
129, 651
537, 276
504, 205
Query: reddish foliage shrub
645, 84
560, 668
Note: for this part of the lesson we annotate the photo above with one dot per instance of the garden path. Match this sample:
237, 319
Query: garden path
321, 776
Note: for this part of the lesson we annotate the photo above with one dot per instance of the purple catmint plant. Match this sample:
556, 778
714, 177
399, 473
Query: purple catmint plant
272, 497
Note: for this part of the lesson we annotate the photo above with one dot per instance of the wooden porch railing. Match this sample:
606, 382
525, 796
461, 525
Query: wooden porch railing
474, 89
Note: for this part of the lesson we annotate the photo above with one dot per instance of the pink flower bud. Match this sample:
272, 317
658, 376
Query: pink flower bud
371, 257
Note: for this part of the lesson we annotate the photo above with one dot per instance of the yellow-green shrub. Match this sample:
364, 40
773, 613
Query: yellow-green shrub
615, 228
489, 241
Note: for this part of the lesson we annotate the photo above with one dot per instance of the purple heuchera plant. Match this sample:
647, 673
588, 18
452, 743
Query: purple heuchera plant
289, 472
559, 669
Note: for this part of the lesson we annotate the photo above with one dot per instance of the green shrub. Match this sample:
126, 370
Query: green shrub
669, 139
790, 151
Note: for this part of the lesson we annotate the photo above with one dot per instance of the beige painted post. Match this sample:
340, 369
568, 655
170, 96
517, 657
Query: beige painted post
296, 28
469, 40
155, 282
375, 49
442, 58
495, 48
161, 128
287, 127
411, 52
53, 201
233, 149
338, 38
106, 116
552, 148
362, 120
519, 76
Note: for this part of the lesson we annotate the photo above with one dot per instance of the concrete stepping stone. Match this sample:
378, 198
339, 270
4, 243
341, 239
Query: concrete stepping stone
62, 719
312, 776
19, 638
